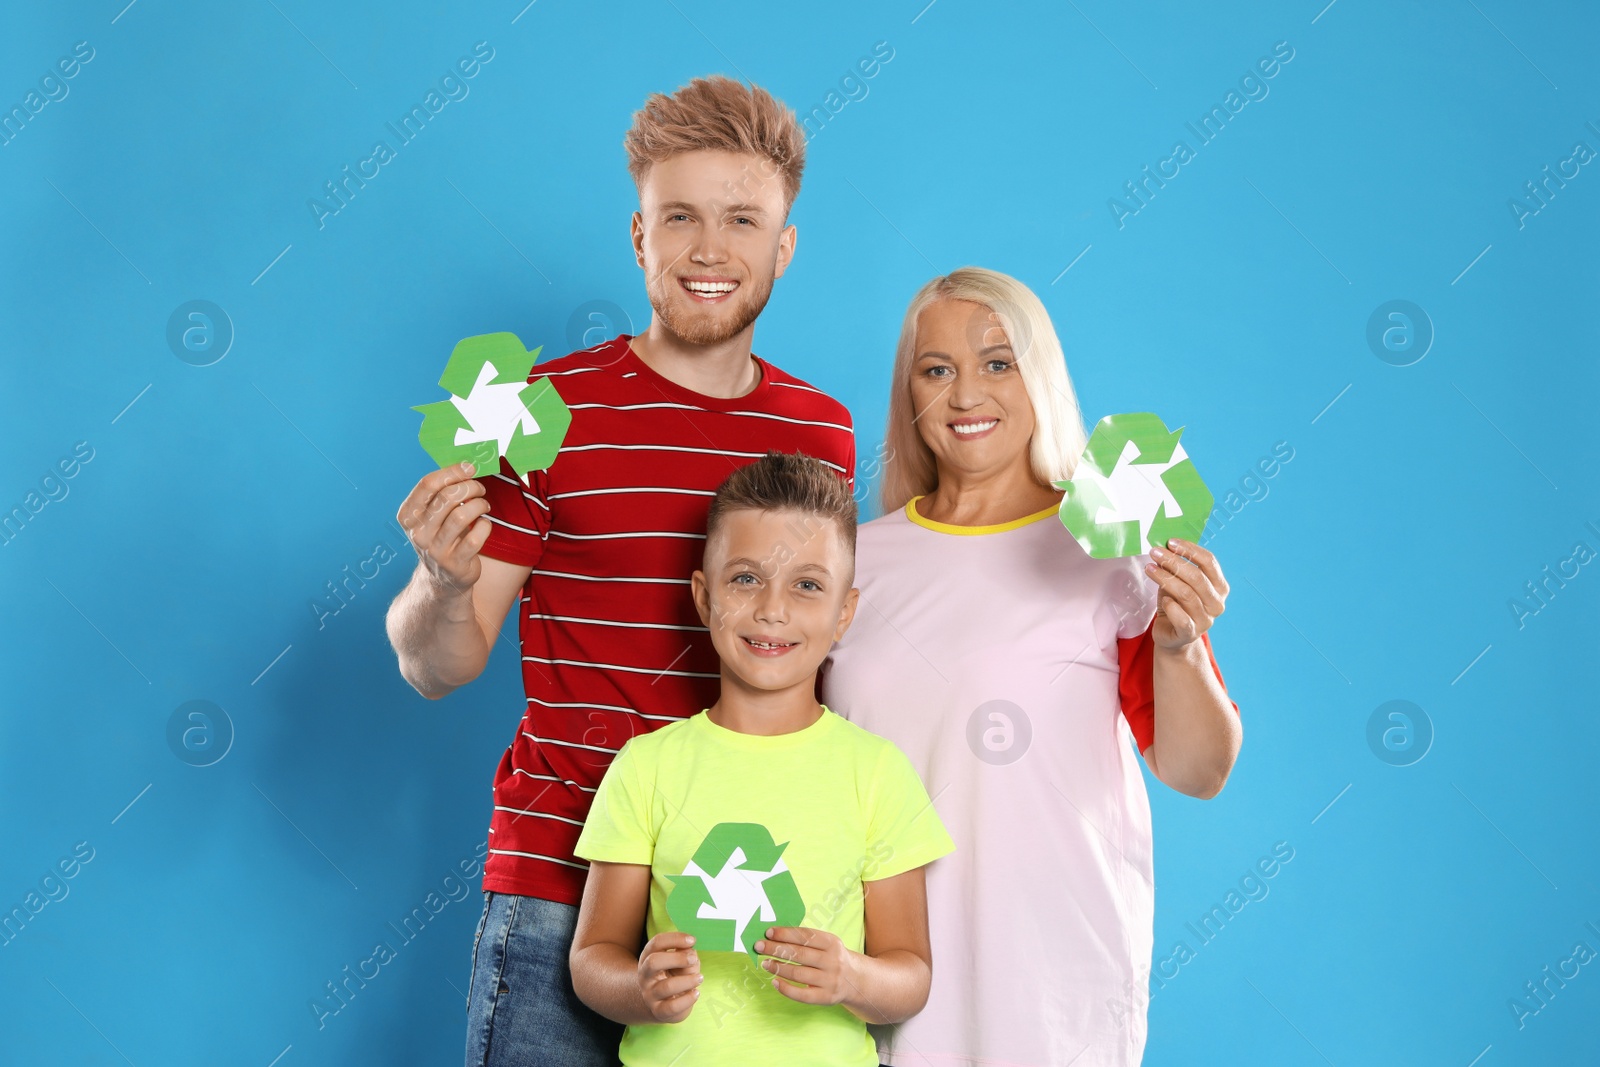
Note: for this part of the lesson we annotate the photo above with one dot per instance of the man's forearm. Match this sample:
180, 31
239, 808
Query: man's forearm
1197, 733
890, 988
436, 635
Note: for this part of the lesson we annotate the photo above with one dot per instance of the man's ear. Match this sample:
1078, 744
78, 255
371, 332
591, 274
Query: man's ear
847, 613
636, 229
786, 242
701, 593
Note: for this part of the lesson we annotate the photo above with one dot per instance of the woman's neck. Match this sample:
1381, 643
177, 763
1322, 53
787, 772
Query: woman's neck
965, 498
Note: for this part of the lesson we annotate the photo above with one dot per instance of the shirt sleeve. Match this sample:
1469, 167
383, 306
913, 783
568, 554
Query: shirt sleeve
519, 515
1136, 683
850, 459
619, 828
903, 829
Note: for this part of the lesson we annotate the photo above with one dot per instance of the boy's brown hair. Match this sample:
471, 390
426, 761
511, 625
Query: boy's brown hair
781, 481
722, 114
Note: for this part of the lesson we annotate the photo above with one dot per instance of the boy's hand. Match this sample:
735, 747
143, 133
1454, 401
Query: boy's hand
443, 517
669, 976
818, 958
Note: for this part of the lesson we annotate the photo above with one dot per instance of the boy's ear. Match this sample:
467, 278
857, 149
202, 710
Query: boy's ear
700, 591
847, 612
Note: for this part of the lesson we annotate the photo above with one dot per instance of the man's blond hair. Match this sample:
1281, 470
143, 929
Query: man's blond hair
719, 113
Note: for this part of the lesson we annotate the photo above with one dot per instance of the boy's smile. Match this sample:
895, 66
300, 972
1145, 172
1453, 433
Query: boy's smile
769, 646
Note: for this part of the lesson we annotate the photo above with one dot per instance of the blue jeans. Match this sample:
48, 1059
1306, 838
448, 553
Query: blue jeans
521, 1007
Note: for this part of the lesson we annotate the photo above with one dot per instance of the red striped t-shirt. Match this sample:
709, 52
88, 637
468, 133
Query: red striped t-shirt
611, 643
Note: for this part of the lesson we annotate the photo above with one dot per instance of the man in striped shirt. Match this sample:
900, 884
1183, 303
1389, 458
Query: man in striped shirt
598, 549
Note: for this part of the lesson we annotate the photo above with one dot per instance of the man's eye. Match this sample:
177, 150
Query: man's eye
739, 579
741, 218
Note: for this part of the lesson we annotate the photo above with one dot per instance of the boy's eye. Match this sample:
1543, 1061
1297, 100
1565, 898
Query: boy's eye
739, 579
809, 585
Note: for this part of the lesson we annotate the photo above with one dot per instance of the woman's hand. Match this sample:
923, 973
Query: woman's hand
817, 958
1193, 592
669, 976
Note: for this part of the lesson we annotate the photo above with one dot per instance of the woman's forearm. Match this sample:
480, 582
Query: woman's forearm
889, 988
1197, 732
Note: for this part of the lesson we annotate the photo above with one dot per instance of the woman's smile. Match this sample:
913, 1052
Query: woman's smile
969, 429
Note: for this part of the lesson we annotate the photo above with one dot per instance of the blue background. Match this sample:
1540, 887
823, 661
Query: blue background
1380, 564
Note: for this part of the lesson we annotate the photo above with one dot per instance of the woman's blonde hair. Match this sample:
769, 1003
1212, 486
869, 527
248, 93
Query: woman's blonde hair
1058, 434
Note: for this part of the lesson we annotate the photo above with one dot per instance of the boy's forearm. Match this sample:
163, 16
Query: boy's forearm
888, 988
606, 978
436, 636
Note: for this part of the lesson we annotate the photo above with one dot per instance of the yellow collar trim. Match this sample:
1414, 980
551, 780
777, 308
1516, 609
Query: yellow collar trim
951, 528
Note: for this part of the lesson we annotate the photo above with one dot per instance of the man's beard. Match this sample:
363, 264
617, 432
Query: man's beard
712, 326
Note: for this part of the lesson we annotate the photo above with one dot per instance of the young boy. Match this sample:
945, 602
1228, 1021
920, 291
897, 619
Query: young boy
765, 825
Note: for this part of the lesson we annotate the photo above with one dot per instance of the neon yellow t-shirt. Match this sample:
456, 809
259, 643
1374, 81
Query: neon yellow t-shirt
751, 831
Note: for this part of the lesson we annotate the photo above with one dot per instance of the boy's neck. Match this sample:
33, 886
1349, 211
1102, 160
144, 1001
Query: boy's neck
765, 712
725, 370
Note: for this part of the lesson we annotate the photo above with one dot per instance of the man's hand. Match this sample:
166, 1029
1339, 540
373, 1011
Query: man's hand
817, 958
669, 976
443, 518
1193, 593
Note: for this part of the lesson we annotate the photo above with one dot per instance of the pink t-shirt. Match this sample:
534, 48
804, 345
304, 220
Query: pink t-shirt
990, 656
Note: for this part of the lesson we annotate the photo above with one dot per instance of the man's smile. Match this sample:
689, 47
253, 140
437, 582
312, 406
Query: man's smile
708, 290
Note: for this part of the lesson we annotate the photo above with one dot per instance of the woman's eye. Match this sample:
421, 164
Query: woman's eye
999, 366
936, 372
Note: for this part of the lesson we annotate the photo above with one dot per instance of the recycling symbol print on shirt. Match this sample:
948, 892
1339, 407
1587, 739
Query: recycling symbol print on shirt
734, 887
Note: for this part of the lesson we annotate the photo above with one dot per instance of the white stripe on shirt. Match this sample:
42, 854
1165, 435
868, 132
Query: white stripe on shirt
628, 533
538, 814
568, 744
601, 707
598, 578
633, 489
708, 411
552, 778
536, 856
685, 448
620, 667
615, 622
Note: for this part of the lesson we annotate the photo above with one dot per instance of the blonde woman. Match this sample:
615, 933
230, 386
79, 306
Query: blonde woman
1014, 670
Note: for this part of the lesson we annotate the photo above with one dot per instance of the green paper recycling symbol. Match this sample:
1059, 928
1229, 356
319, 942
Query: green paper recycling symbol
735, 887
1134, 487
493, 409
